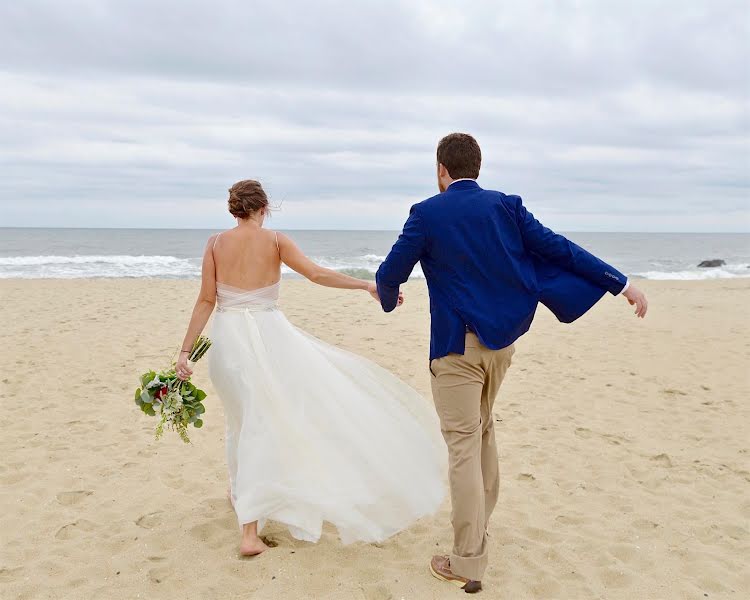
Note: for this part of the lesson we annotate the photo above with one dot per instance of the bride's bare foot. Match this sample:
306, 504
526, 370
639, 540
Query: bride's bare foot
251, 544
252, 547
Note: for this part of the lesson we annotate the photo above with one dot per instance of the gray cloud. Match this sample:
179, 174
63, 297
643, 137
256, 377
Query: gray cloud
603, 115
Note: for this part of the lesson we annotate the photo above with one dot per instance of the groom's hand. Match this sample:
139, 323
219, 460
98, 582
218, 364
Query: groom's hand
636, 297
372, 288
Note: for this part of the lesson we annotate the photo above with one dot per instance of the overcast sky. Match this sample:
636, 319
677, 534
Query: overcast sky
604, 116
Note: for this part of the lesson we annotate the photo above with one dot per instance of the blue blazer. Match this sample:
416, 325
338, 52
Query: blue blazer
488, 263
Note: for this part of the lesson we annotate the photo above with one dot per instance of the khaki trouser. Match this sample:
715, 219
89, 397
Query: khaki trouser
464, 389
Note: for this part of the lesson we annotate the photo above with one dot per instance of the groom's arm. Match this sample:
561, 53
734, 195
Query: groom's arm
558, 250
400, 262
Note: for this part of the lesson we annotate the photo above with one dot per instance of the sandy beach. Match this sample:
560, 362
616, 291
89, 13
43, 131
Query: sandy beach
623, 443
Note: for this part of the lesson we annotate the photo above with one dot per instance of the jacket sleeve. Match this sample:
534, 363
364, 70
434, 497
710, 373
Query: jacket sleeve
399, 263
560, 251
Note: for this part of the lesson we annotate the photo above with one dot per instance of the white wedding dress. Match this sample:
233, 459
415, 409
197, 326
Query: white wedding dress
315, 433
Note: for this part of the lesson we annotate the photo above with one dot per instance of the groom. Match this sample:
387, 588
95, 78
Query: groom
488, 263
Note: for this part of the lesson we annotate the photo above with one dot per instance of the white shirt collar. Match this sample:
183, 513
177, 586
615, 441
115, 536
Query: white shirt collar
462, 179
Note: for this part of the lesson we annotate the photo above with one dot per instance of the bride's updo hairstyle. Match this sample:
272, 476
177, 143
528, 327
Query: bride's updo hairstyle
246, 198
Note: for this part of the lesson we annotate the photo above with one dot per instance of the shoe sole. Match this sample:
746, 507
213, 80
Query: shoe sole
455, 582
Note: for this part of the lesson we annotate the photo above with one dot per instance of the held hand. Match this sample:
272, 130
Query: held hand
372, 288
636, 297
182, 369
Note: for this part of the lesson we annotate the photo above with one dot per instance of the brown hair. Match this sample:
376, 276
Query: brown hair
246, 197
459, 153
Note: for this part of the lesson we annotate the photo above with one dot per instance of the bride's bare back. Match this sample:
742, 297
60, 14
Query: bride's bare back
247, 257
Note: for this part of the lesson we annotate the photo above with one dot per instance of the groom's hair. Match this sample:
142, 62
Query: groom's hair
460, 154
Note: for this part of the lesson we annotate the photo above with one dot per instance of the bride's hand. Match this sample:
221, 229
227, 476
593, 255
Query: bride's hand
182, 370
372, 288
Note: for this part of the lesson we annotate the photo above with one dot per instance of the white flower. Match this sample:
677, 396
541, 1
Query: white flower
174, 401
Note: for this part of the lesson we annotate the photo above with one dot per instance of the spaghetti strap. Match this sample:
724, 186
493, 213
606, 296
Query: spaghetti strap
276, 235
216, 239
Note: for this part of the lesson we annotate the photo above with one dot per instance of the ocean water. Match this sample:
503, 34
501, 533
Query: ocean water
176, 253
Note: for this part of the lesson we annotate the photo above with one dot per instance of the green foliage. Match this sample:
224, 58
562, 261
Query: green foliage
147, 377
173, 414
200, 347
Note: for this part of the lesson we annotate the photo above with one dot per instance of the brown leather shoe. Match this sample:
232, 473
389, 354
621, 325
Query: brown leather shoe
440, 567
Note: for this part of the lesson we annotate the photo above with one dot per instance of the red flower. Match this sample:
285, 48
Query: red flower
161, 392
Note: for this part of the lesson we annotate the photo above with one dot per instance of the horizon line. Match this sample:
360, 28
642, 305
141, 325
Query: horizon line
345, 229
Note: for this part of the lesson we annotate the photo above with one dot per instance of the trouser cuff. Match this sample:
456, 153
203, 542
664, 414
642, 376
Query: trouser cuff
471, 567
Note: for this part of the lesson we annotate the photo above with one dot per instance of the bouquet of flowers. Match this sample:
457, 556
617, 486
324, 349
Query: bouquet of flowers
179, 403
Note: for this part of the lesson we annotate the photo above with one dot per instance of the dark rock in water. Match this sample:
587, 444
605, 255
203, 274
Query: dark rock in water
715, 262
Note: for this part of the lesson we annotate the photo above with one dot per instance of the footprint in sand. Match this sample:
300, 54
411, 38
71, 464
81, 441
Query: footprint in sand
211, 532
10, 573
673, 392
740, 472
75, 583
644, 525
71, 530
615, 578
546, 587
736, 532
377, 592
537, 534
662, 460
174, 482
75, 497
150, 520
213, 505
371, 577
624, 552
12, 478
525, 477
616, 440
158, 575
569, 520
419, 529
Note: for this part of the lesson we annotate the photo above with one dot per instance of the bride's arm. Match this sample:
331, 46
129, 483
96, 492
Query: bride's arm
202, 310
293, 257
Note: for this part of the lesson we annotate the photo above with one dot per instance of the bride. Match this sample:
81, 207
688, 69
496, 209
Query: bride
313, 433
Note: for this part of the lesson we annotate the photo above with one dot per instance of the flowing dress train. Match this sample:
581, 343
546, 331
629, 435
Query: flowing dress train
315, 433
